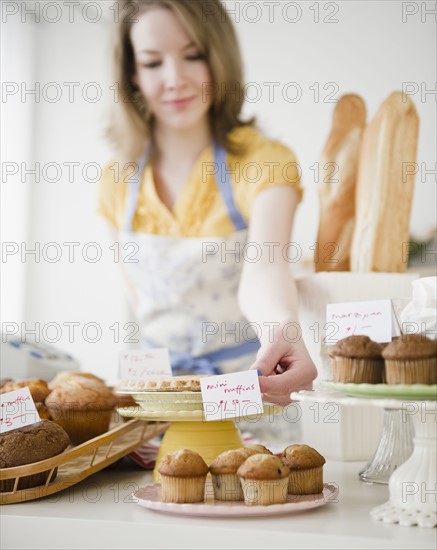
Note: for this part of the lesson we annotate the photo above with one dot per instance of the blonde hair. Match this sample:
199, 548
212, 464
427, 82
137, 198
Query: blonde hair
209, 25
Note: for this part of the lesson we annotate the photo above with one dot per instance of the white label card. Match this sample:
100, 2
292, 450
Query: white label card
369, 318
144, 363
231, 395
17, 410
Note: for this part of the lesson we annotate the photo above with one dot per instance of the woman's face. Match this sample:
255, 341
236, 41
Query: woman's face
170, 71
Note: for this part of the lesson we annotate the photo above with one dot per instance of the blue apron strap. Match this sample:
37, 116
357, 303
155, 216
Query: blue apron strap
133, 190
225, 186
222, 178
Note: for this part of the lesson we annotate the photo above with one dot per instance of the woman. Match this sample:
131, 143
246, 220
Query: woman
208, 209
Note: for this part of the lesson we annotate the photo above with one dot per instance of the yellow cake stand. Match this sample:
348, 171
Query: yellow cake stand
189, 430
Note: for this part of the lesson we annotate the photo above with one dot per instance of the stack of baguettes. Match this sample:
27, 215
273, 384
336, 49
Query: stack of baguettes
367, 193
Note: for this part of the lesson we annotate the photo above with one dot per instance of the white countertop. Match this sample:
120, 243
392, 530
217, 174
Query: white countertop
98, 513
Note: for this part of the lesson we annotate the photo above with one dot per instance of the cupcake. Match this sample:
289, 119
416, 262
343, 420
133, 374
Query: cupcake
31, 444
411, 359
225, 482
83, 409
183, 476
264, 480
306, 469
357, 359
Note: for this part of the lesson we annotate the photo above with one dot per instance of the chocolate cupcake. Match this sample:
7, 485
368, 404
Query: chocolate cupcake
411, 359
357, 360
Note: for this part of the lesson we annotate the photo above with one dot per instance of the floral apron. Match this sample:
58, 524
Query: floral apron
183, 291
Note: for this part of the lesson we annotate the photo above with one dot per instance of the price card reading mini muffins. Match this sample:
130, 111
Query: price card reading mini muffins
231, 395
368, 318
139, 364
17, 410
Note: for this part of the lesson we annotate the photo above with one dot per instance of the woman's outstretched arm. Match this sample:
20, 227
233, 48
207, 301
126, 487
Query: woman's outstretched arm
268, 297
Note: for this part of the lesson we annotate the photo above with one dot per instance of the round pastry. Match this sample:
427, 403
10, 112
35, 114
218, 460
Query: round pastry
357, 360
183, 476
264, 480
84, 410
225, 482
306, 469
164, 384
38, 388
411, 359
31, 444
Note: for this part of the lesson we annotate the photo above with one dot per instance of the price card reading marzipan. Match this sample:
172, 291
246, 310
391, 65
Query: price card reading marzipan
231, 395
144, 363
17, 410
369, 318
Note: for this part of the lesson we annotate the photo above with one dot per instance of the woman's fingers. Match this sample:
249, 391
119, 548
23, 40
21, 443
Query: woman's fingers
291, 380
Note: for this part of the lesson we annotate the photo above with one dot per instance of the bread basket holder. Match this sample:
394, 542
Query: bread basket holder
79, 462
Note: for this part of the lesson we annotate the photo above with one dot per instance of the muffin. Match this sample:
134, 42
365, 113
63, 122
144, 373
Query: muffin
264, 480
30, 444
358, 360
82, 377
255, 449
225, 482
183, 477
306, 469
38, 388
83, 409
42, 411
411, 359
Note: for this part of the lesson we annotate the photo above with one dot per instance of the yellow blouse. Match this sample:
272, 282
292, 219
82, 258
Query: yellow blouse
199, 210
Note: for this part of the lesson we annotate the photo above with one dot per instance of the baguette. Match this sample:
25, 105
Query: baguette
339, 165
384, 192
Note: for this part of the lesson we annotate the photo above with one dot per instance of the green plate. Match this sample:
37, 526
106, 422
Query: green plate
394, 391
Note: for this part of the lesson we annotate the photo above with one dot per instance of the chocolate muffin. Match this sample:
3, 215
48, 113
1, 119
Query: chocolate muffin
411, 359
357, 360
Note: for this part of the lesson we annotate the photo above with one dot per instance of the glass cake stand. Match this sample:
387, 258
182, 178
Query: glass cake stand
188, 428
412, 485
396, 441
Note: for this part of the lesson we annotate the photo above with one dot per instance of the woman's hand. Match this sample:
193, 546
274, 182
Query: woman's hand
285, 366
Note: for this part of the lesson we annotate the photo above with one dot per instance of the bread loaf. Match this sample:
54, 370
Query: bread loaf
338, 169
384, 188
28, 445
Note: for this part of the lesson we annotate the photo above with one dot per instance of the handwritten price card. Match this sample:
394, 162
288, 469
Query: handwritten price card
231, 395
370, 318
144, 363
17, 410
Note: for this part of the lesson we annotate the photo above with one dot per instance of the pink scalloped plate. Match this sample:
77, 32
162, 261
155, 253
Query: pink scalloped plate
150, 497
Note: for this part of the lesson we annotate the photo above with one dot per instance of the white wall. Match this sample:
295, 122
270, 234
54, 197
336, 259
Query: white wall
16, 147
369, 51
